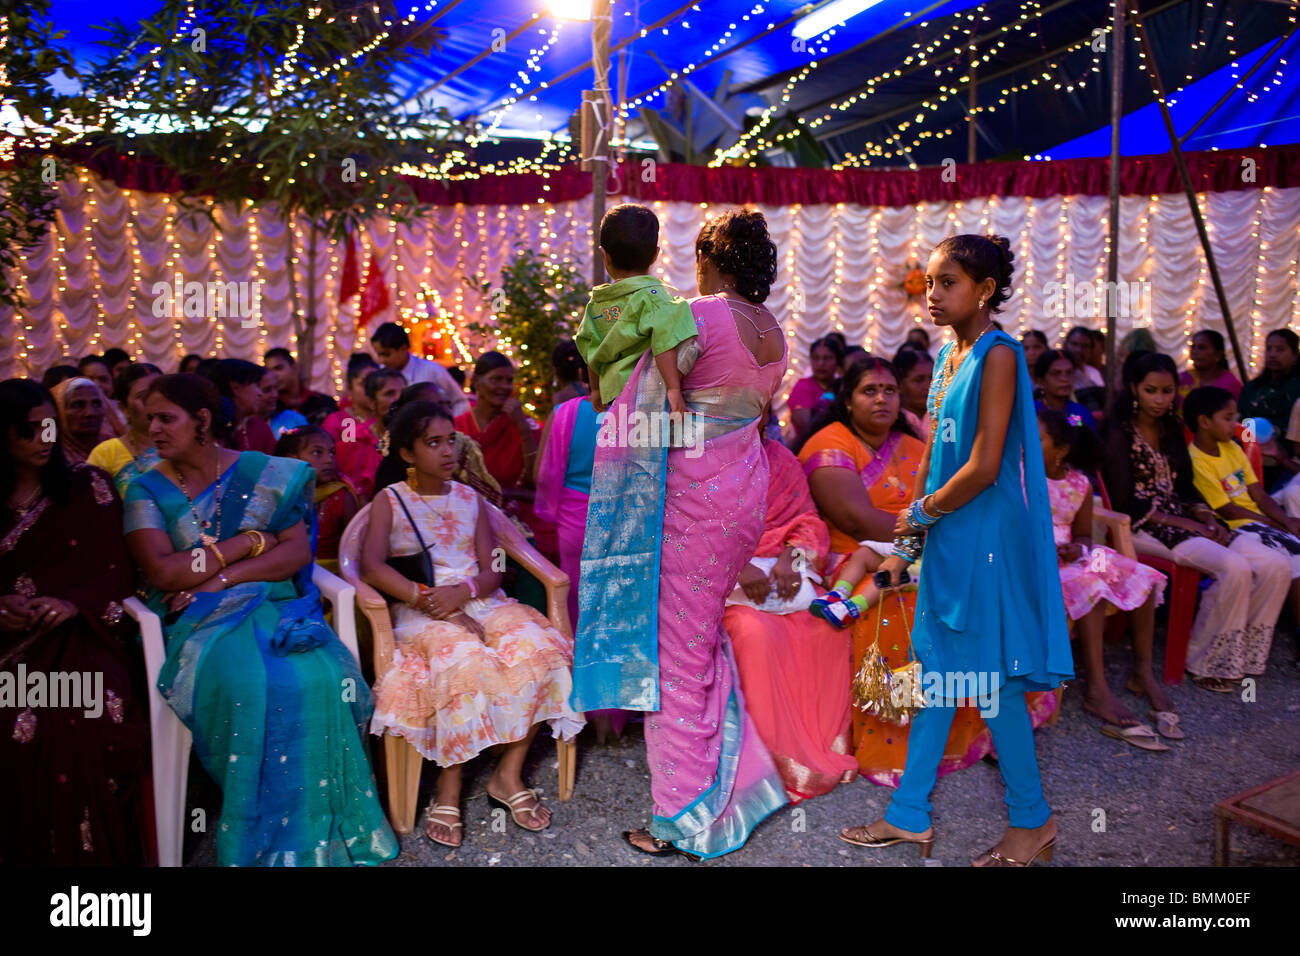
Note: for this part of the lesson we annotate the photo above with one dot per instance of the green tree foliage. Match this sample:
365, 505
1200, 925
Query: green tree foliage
538, 301
290, 106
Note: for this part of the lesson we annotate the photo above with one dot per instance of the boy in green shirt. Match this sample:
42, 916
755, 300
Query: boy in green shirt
633, 313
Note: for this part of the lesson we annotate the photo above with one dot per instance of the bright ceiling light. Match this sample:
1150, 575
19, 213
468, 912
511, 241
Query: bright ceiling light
828, 15
570, 9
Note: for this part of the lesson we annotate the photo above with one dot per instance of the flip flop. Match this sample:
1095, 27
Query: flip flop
1167, 724
1139, 735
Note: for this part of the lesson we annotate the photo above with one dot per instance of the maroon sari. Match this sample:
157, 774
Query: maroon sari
71, 777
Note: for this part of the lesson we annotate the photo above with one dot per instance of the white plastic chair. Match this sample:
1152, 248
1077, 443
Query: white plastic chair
171, 740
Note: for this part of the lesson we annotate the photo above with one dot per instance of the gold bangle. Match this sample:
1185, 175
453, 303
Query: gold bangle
220, 556
259, 541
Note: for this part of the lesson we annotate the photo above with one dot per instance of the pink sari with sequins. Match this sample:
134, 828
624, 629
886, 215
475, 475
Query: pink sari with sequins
712, 778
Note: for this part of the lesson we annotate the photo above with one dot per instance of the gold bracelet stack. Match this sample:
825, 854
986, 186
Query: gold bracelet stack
258, 539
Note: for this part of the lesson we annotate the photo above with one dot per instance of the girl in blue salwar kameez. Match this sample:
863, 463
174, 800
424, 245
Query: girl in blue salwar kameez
989, 602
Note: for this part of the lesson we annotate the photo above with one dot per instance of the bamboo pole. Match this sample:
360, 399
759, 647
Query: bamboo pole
1149, 61
1117, 36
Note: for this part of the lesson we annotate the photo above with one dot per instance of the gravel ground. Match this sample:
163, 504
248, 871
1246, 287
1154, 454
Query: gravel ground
1115, 805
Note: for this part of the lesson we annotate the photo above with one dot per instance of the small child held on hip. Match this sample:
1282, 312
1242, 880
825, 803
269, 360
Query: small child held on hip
634, 312
336, 499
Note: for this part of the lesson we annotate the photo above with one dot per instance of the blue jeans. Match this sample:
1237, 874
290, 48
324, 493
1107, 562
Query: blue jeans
1013, 736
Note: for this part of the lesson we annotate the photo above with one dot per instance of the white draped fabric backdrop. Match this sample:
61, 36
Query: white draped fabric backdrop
90, 284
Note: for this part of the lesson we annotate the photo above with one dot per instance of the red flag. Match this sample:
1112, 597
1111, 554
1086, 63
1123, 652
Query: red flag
350, 280
374, 294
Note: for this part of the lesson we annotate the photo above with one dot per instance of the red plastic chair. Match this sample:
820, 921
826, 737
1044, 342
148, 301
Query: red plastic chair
1184, 589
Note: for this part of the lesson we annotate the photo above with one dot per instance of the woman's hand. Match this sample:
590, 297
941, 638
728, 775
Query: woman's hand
754, 583
15, 613
1217, 533
785, 578
902, 526
895, 566
47, 613
444, 601
515, 411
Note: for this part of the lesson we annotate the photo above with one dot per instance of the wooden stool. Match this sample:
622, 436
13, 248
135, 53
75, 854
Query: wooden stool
1273, 807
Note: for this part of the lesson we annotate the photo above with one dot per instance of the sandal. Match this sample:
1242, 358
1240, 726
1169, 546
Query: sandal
661, 847
431, 811
1167, 724
874, 842
513, 805
1139, 735
1046, 851
1219, 685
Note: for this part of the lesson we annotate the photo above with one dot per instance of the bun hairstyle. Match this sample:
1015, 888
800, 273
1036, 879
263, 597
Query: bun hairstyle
738, 245
194, 392
983, 257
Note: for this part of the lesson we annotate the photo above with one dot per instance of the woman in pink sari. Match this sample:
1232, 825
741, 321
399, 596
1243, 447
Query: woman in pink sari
669, 530
563, 487
795, 669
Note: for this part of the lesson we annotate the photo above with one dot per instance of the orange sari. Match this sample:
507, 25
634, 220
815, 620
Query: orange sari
880, 747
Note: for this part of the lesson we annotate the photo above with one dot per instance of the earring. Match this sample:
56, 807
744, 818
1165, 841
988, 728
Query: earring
410, 475
982, 301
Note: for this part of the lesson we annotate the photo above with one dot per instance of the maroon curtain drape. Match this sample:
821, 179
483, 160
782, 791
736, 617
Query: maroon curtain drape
1215, 171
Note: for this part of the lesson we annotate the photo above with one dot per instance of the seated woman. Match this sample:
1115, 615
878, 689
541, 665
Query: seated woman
508, 437
810, 396
1149, 477
275, 701
1035, 344
1209, 365
82, 416
795, 673
914, 369
861, 467
1272, 394
240, 384
72, 770
126, 457
358, 438
472, 668
1054, 373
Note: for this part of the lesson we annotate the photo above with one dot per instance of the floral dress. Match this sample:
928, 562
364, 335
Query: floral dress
449, 693
1153, 482
1101, 574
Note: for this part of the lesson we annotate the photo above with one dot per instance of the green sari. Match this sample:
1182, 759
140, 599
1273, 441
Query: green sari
276, 703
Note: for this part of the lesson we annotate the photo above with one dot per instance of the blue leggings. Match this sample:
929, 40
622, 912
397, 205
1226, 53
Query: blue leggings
1013, 736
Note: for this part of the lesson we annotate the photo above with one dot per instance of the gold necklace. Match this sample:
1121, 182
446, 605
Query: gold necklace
945, 379
22, 509
204, 527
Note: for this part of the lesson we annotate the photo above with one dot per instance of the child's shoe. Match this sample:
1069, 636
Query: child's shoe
836, 608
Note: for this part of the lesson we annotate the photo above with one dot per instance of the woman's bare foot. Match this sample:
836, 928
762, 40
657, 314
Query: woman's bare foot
1019, 844
1149, 686
443, 826
1106, 706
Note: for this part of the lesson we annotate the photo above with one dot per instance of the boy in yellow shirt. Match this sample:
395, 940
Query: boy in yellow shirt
633, 313
1228, 483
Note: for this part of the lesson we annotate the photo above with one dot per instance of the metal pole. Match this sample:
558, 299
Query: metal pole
1149, 60
601, 23
973, 102
1117, 37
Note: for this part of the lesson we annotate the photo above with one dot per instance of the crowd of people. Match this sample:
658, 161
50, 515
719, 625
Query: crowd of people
728, 588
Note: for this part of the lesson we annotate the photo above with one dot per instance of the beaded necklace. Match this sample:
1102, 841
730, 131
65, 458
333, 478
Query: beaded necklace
946, 374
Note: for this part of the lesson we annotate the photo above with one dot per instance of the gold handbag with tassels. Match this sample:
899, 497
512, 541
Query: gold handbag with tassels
893, 695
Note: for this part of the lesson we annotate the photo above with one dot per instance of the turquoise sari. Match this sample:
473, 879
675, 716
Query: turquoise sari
275, 702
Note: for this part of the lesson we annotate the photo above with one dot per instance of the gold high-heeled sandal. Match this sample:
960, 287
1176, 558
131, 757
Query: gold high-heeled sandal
1046, 851
873, 842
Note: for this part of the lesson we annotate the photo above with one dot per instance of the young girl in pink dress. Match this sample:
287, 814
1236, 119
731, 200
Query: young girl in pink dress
1093, 576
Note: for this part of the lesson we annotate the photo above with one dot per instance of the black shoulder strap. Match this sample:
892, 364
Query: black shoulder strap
397, 493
